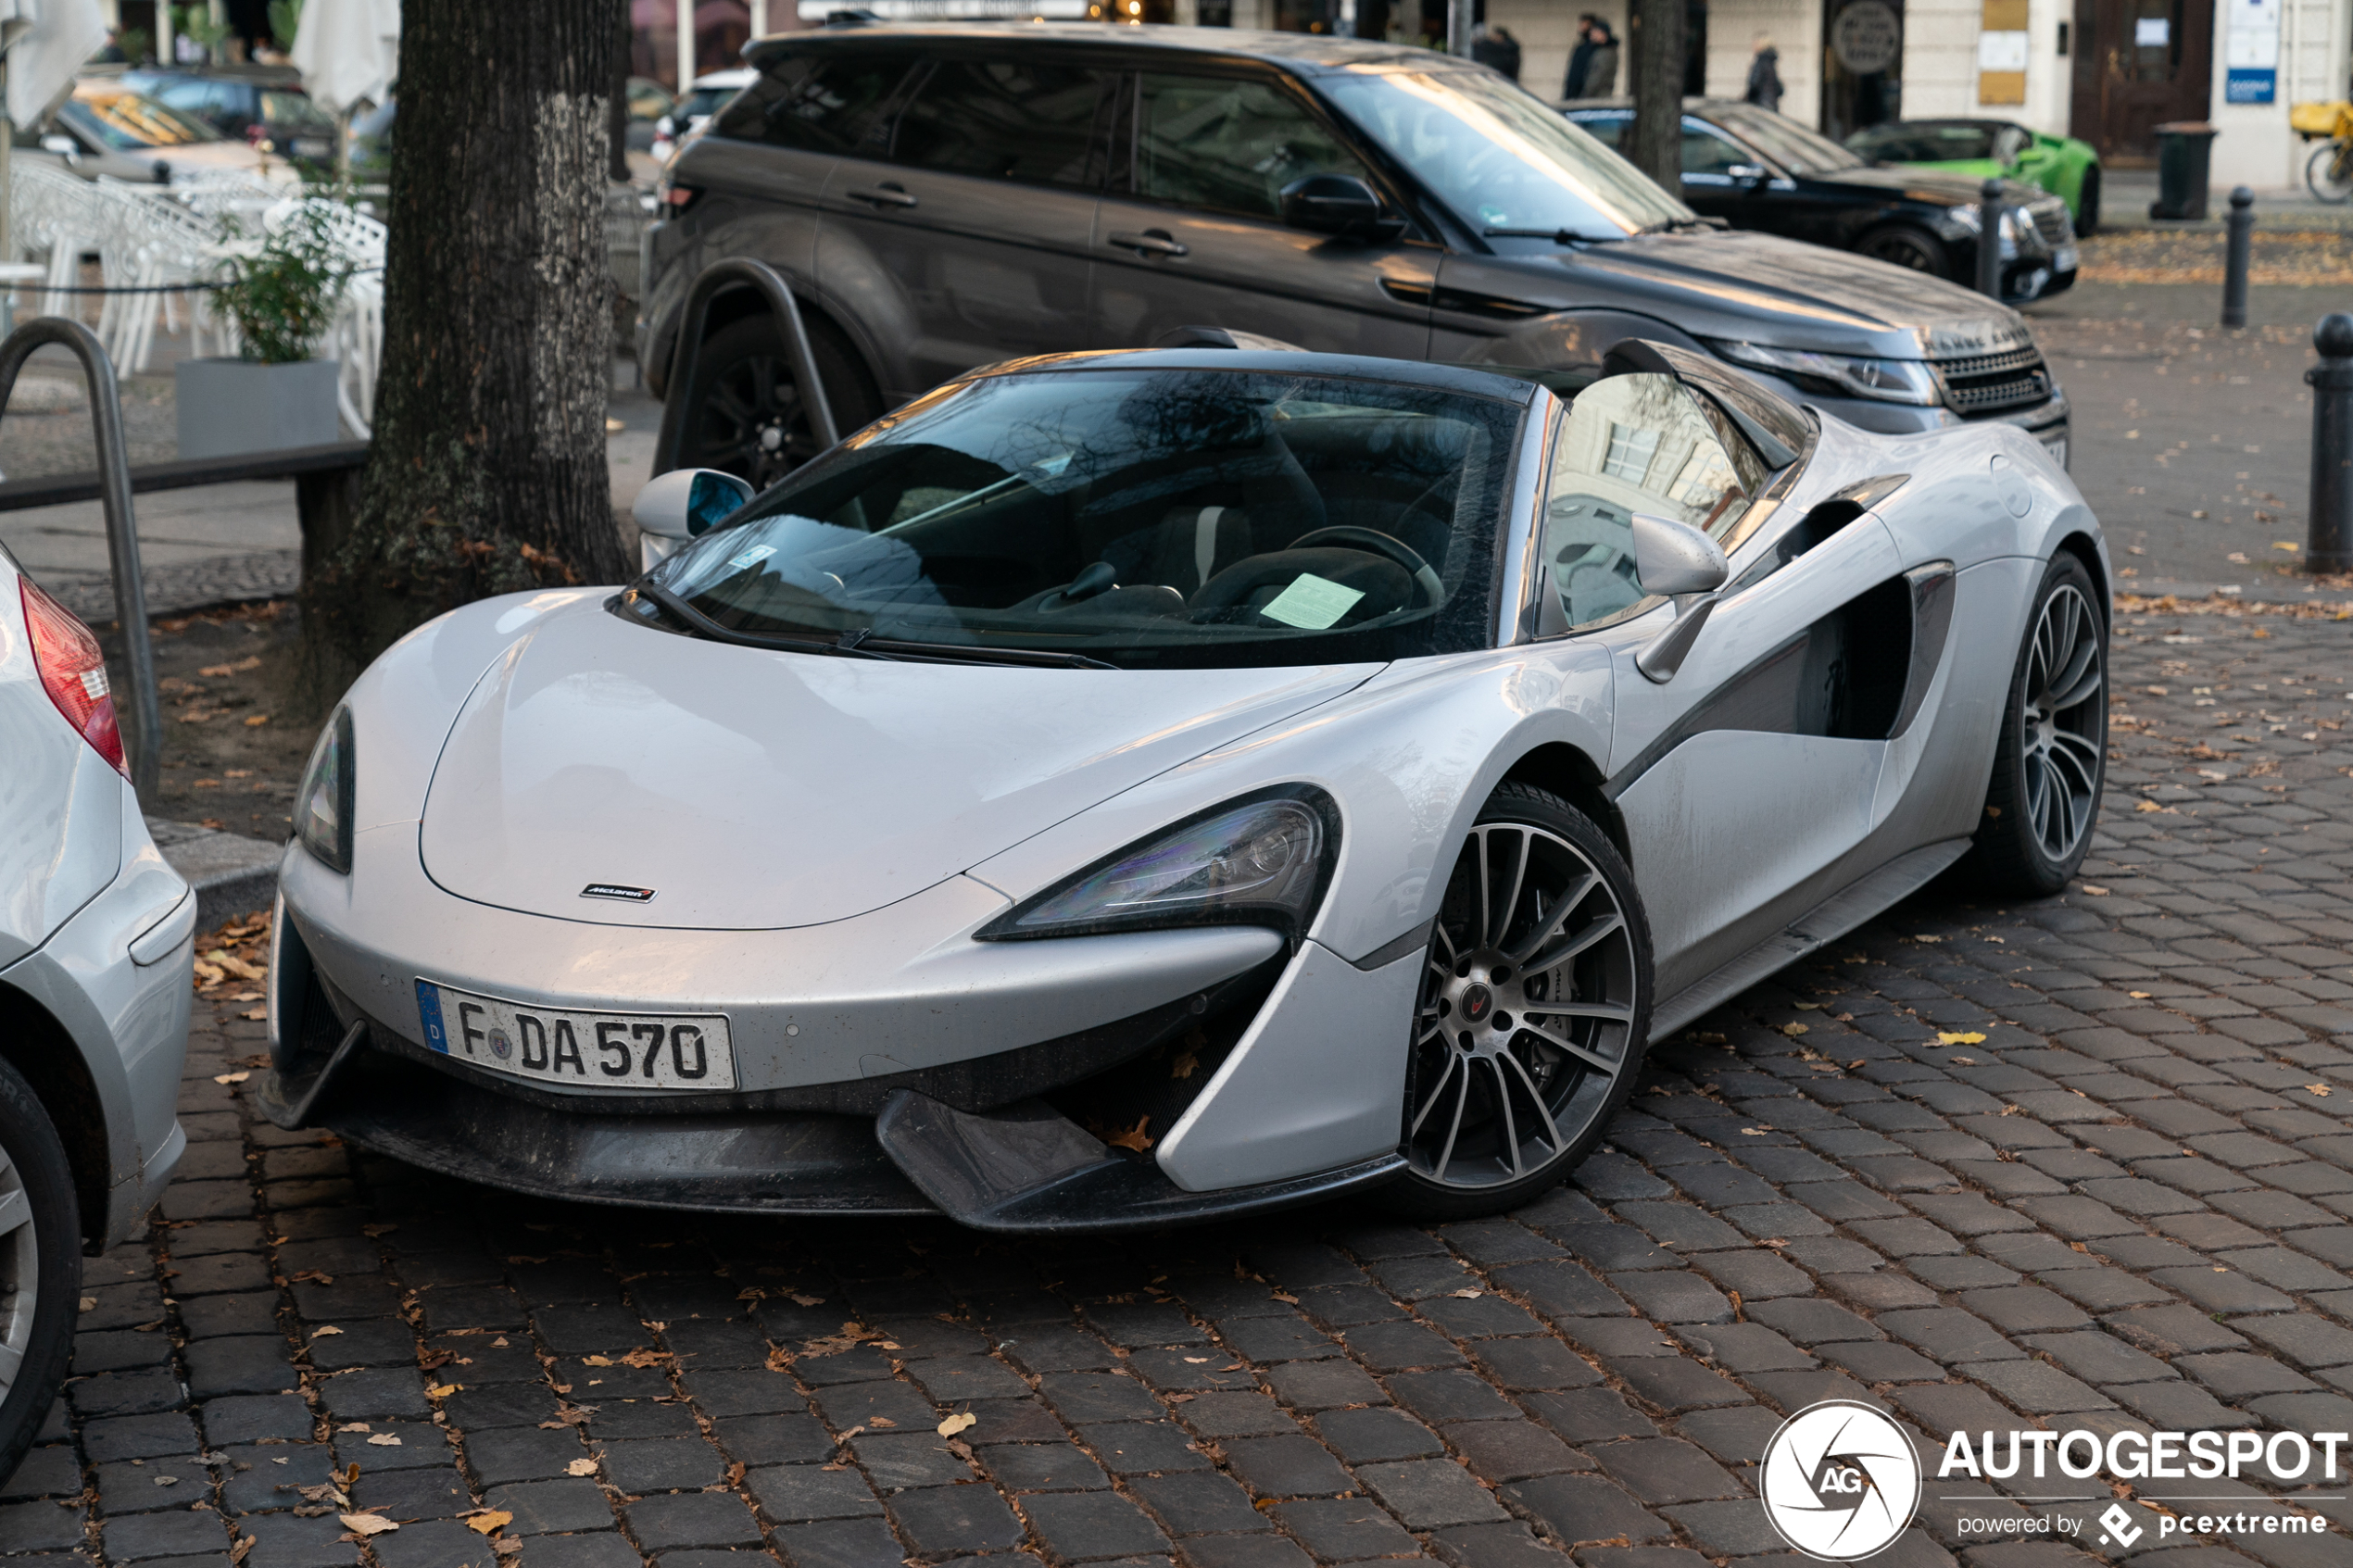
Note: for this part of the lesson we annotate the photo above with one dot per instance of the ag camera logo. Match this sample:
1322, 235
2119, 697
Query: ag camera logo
1840, 1481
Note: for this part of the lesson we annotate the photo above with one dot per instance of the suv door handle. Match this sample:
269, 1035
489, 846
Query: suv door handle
1152, 242
891, 193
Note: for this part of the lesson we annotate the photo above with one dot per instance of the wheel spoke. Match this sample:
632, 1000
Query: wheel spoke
1504, 1108
1462, 1108
1486, 890
1550, 921
1613, 1012
1500, 923
14, 1212
1536, 1097
2077, 755
1436, 1089
2079, 680
1602, 926
1585, 1054
10, 1360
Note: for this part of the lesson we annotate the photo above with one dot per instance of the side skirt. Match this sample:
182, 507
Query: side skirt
1827, 921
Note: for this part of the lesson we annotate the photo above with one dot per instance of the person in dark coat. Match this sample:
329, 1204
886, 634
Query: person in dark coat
1764, 76
1495, 47
1592, 66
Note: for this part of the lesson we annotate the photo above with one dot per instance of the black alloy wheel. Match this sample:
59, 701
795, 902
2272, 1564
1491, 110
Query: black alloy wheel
1533, 1011
40, 1265
2044, 798
1916, 250
749, 420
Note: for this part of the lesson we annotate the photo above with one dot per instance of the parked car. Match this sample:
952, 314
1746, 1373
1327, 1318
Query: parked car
1131, 787
1984, 149
110, 129
649, 103
692, 112
263, 105
1757, 169
97, 953
948, 195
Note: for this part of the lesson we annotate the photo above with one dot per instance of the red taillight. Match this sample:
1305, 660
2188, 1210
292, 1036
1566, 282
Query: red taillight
73, 672
681, 197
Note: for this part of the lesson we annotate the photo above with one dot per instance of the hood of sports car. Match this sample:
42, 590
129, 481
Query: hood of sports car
752, 790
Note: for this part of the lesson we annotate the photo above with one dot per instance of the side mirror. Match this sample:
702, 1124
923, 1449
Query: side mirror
64, 146
686, 502
1747, 173
1676, 560
1335, 204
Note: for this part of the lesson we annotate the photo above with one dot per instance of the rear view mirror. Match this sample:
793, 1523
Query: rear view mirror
679, 505
1675, 558
1336, 204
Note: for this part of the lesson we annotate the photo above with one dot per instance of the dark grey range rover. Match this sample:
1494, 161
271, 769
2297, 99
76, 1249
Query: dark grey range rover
946, 196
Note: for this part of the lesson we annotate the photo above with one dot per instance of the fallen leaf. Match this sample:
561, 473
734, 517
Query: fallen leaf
1285, 1296
2147, 806
355, 1427
1468, 1294
315, 1277
960, 1420
230, 1077
90, 1304
1960, 1037
1794, 1030
1965, 1060
488, 1521
322, 1333
256, 721
581, 1467
661, 1358
881, 1421
443, 1390
806, 1300
1189, 1360
243, 1549
595, 1360
384, 1441
1754, 1132
1807, 1007
2319, 1090
2095, 892
2138, 996
1132, 1137
366, 1523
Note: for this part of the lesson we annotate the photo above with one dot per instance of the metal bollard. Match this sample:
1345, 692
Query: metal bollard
2329, 536
2234, 256
1989, 239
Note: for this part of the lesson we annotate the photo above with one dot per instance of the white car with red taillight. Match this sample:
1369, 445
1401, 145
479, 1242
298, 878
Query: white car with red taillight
97, 940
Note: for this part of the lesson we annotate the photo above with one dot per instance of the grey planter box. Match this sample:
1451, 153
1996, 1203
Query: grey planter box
231, 406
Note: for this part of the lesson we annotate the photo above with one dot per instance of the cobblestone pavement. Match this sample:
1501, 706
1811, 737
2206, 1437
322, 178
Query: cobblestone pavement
2125, 1205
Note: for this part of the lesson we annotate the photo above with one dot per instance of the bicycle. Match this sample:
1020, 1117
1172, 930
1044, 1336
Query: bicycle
2329, 171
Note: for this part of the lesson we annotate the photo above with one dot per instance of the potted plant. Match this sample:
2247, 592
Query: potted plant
280, 296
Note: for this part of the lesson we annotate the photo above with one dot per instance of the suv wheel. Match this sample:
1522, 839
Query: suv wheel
749, 420
40, 1265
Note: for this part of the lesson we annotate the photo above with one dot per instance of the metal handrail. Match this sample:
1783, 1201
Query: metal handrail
739, 270
122, 529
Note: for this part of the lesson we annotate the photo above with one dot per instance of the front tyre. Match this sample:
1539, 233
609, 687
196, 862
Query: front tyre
2044, 795
2329, 171
1533, 1012
1915, 250
746, 415
40, 1265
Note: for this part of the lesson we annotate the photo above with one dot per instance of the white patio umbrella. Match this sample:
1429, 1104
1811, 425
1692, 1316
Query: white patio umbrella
42, 43
349, 52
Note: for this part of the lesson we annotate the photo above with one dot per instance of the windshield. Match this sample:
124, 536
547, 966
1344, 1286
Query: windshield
1499, 157
295, 111
1147, 519
1787, 142
125, 121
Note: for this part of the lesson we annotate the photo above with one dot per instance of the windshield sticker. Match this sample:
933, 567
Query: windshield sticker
1311, 603
752, 557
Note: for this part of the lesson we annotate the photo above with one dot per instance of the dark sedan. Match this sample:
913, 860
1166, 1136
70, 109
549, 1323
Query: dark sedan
1757, 169
257, 103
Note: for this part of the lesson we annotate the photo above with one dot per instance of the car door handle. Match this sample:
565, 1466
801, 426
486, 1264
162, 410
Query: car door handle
1152, 242
888, 194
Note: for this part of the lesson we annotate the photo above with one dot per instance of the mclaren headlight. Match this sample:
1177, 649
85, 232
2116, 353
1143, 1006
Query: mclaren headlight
1258, 861
323, 805
1840, 375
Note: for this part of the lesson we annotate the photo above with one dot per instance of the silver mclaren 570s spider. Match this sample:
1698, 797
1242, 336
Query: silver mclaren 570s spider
1123, 788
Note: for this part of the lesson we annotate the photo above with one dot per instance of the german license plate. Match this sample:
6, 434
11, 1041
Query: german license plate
606, 1050
2065, 261
312, 146
2056, 445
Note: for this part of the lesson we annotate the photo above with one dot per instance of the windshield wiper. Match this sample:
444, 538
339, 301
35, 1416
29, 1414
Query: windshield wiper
1681, 225
970, 653
848, 644
1558, 236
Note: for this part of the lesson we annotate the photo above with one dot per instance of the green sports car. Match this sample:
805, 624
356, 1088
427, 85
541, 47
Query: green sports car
1984, 148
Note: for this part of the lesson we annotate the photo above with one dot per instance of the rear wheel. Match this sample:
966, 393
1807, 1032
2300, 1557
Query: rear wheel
2329, 171
1533, 1012
2044, 795
748, 418
2087, 202
40, 1265
1914, 249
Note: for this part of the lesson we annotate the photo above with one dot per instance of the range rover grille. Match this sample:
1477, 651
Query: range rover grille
1992, 383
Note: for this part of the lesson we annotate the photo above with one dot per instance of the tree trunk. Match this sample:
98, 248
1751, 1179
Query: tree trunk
488, 472
1654, 73
617, 117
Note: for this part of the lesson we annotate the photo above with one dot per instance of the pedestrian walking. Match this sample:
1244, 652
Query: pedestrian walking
1592, 65
1496, 47
1763, 75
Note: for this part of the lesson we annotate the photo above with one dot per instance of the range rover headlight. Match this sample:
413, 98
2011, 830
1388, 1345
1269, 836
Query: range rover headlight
1257, 861
1840, 375
323, 805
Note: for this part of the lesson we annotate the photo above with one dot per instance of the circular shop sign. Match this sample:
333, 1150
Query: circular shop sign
1840, 1481
1867, 36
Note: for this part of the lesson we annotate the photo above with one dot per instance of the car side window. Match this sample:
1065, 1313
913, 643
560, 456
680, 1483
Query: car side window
1228, 144
1033, 124
1631, 444
815, 103
1708, 151
1606, 128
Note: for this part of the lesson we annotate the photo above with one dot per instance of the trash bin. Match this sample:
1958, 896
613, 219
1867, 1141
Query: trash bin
2184, 148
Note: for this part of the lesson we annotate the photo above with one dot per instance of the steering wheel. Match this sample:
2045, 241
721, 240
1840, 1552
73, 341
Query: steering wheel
1380, 544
